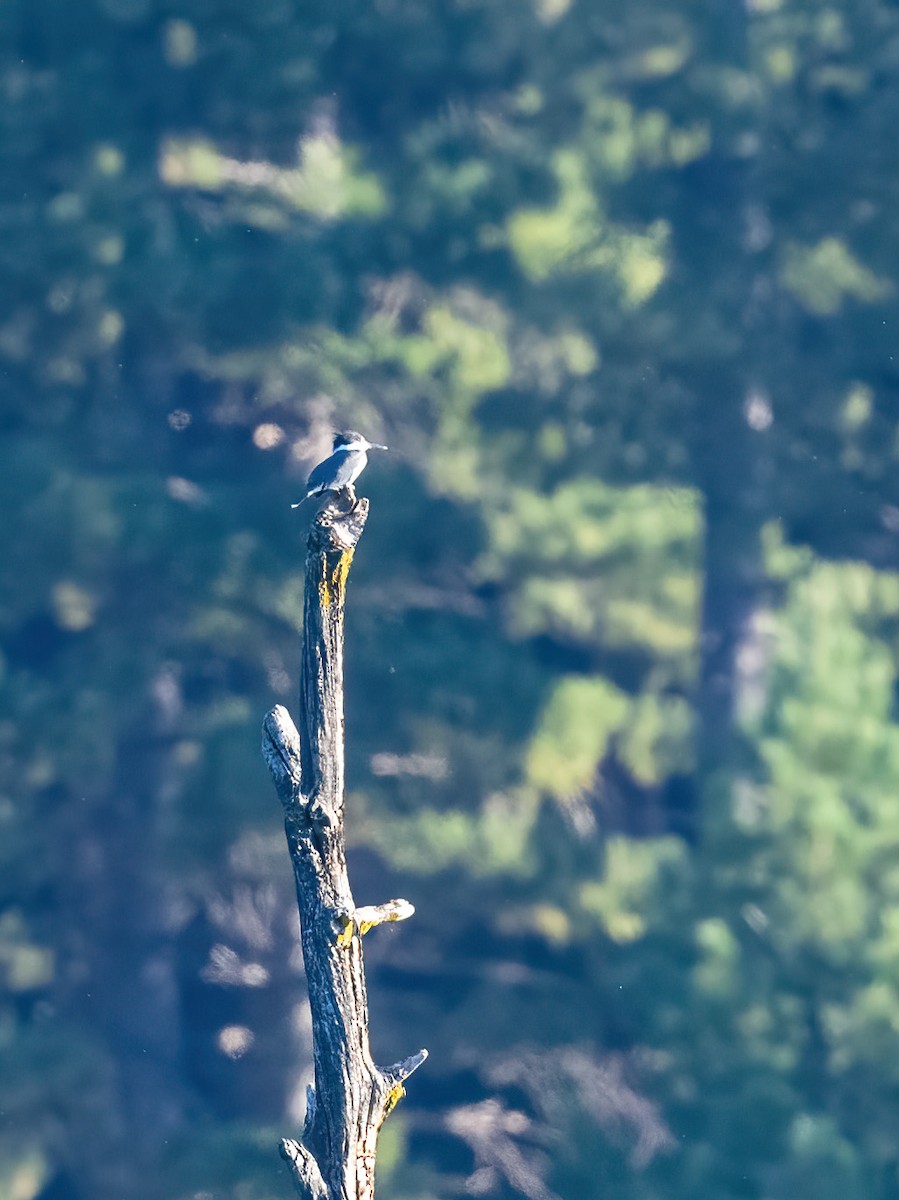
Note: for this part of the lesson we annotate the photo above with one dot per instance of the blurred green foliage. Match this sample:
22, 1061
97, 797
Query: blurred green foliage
617, 285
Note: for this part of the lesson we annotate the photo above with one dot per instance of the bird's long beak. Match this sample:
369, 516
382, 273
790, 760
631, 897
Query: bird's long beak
376, 446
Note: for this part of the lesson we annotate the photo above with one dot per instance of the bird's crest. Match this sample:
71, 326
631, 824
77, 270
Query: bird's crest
348, 438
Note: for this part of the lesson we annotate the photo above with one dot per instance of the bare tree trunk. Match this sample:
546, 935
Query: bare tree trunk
352, 1096
726, 223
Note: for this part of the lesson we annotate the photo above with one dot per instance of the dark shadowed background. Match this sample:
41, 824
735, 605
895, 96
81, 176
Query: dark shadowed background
617, 283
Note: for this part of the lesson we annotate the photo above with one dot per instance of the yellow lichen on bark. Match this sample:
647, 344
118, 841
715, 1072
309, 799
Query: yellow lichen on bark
332, 586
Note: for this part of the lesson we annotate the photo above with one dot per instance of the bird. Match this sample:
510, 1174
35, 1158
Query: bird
343, 466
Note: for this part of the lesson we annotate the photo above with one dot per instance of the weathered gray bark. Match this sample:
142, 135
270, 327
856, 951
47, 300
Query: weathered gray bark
352, 1096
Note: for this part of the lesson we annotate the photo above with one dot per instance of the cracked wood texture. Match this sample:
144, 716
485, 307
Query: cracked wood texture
335, 1160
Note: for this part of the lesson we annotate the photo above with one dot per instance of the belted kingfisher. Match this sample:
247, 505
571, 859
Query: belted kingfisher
342, 468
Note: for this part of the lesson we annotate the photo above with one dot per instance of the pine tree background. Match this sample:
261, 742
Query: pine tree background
618, 285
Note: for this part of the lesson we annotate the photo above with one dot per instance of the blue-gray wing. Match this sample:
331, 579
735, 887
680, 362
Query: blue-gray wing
334, 473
